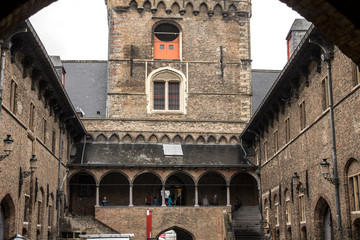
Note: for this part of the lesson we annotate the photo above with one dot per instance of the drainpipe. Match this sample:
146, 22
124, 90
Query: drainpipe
59, 193
6, 45
326, 57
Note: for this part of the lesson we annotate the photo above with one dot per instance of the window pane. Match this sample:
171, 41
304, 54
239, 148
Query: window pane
159, 95
162, 46
171, 47
174, 96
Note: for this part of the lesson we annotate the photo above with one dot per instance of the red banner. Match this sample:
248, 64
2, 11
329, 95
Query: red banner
148, 224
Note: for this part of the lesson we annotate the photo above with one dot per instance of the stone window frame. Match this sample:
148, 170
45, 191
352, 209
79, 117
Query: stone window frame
13, 96
26, 217
182, 91
288, 209
302, 208
53, 141
180, 38
277, 215
267, 214
287, 130
276, 140
325, 93
302, 109
354, 183
32, 116
43, 130
266, 151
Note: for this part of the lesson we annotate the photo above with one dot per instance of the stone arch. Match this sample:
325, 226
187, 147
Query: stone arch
101, 138
211, 183
232, 10
165, 139
175, 8
218, 10
41, 213
189, 8
177, 139
351, 166
211, 139
189, 139
127, 138
322, 220
82, 190
181, 233
181, 187
7, 217
245, 187
114, 185
89, 138
153, 139
133, 5
147, 6
222, 140
203, 8
114, 138
146, 186
233, 140
140, 138
200, 140
161, 6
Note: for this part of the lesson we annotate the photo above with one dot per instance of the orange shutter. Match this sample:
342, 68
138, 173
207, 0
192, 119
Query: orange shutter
166, 50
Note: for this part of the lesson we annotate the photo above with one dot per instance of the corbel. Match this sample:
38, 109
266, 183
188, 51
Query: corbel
196, 12
16, 46
168, 11
182, 12
26, 64
153, 10
140, 9
210, 13
42, 87
36, 77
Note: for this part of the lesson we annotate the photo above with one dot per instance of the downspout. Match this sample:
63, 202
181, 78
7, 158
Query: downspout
83, 151
5, 45
326, 57
59, 192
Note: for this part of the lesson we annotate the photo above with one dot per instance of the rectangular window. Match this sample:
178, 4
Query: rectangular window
267, 216
32, 115
303, 208
162, 46
26, 209
39, 213
276, 141
277, 214
357, 75
50, 216
288, 211
266, 151
174, 96
287, 130
43, 131
159, 95
354, 184
302, 116
171, 47
325, 93
13, 96
53, 142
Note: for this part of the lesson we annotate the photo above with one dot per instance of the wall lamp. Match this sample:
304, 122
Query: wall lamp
325, 171
8, 147
297, 183
33, 166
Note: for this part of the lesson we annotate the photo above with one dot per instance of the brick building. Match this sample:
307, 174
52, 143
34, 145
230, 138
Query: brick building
291, 133
37, 113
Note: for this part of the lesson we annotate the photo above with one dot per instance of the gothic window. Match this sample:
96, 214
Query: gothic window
355, 190
325, 94
266, 151
276, 141
276, 211
32, 114
287, 130
166, 92
302, 116
288, 209
13, 93
166, 41
302, 208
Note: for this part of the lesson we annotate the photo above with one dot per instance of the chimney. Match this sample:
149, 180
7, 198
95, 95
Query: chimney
296, 33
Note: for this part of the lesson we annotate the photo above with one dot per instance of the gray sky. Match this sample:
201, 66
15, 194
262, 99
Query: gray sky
77, 30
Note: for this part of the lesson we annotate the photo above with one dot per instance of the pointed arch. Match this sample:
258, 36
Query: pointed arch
218, 10
189, 9
153, 139
7, 208
177, 139
189, 139
200, 140
147, 6
211, 139
161, 6
233, 140
165, 139
133, 5
222, 140
140, 139
203, 8
89, 138
322, 222
232, 9
114, 138
101, 138
127, 138
175, 8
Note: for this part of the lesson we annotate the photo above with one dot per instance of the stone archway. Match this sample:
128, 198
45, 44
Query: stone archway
115, 187
211, 183
82, 194
7, 218
181, 188
176, 232
323, 221
244, 187
146, 186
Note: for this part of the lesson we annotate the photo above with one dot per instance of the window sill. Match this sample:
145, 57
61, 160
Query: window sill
175, 112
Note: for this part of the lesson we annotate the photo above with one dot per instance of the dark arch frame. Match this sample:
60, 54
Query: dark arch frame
188, 190
176, 228
9, 211
147, 191
118, 193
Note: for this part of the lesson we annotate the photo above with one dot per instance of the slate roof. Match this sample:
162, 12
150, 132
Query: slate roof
85, 83
147, 155
299, 24
262, 80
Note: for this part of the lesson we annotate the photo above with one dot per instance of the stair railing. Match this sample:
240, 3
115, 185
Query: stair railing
230, 235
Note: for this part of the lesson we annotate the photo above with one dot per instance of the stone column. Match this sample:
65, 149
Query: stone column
196, 196
131, 195
163, 196
228, 196
97, 195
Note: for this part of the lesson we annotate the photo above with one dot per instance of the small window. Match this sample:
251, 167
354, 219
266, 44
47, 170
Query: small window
162, 46
267, 218
302, 116
159, 95
303, 208
276, 141
287, 130
288, 210
277, 212
13, 89
39, 215
32, 115
325, 93
26, 209
43, 131
53, 142
171, 47
266, 151
355, 191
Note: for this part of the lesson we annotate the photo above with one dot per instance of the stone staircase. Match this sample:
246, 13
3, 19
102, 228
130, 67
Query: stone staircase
85, 224
246, 223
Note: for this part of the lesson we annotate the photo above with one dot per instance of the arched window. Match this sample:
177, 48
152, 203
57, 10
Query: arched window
166, 41
166, 91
